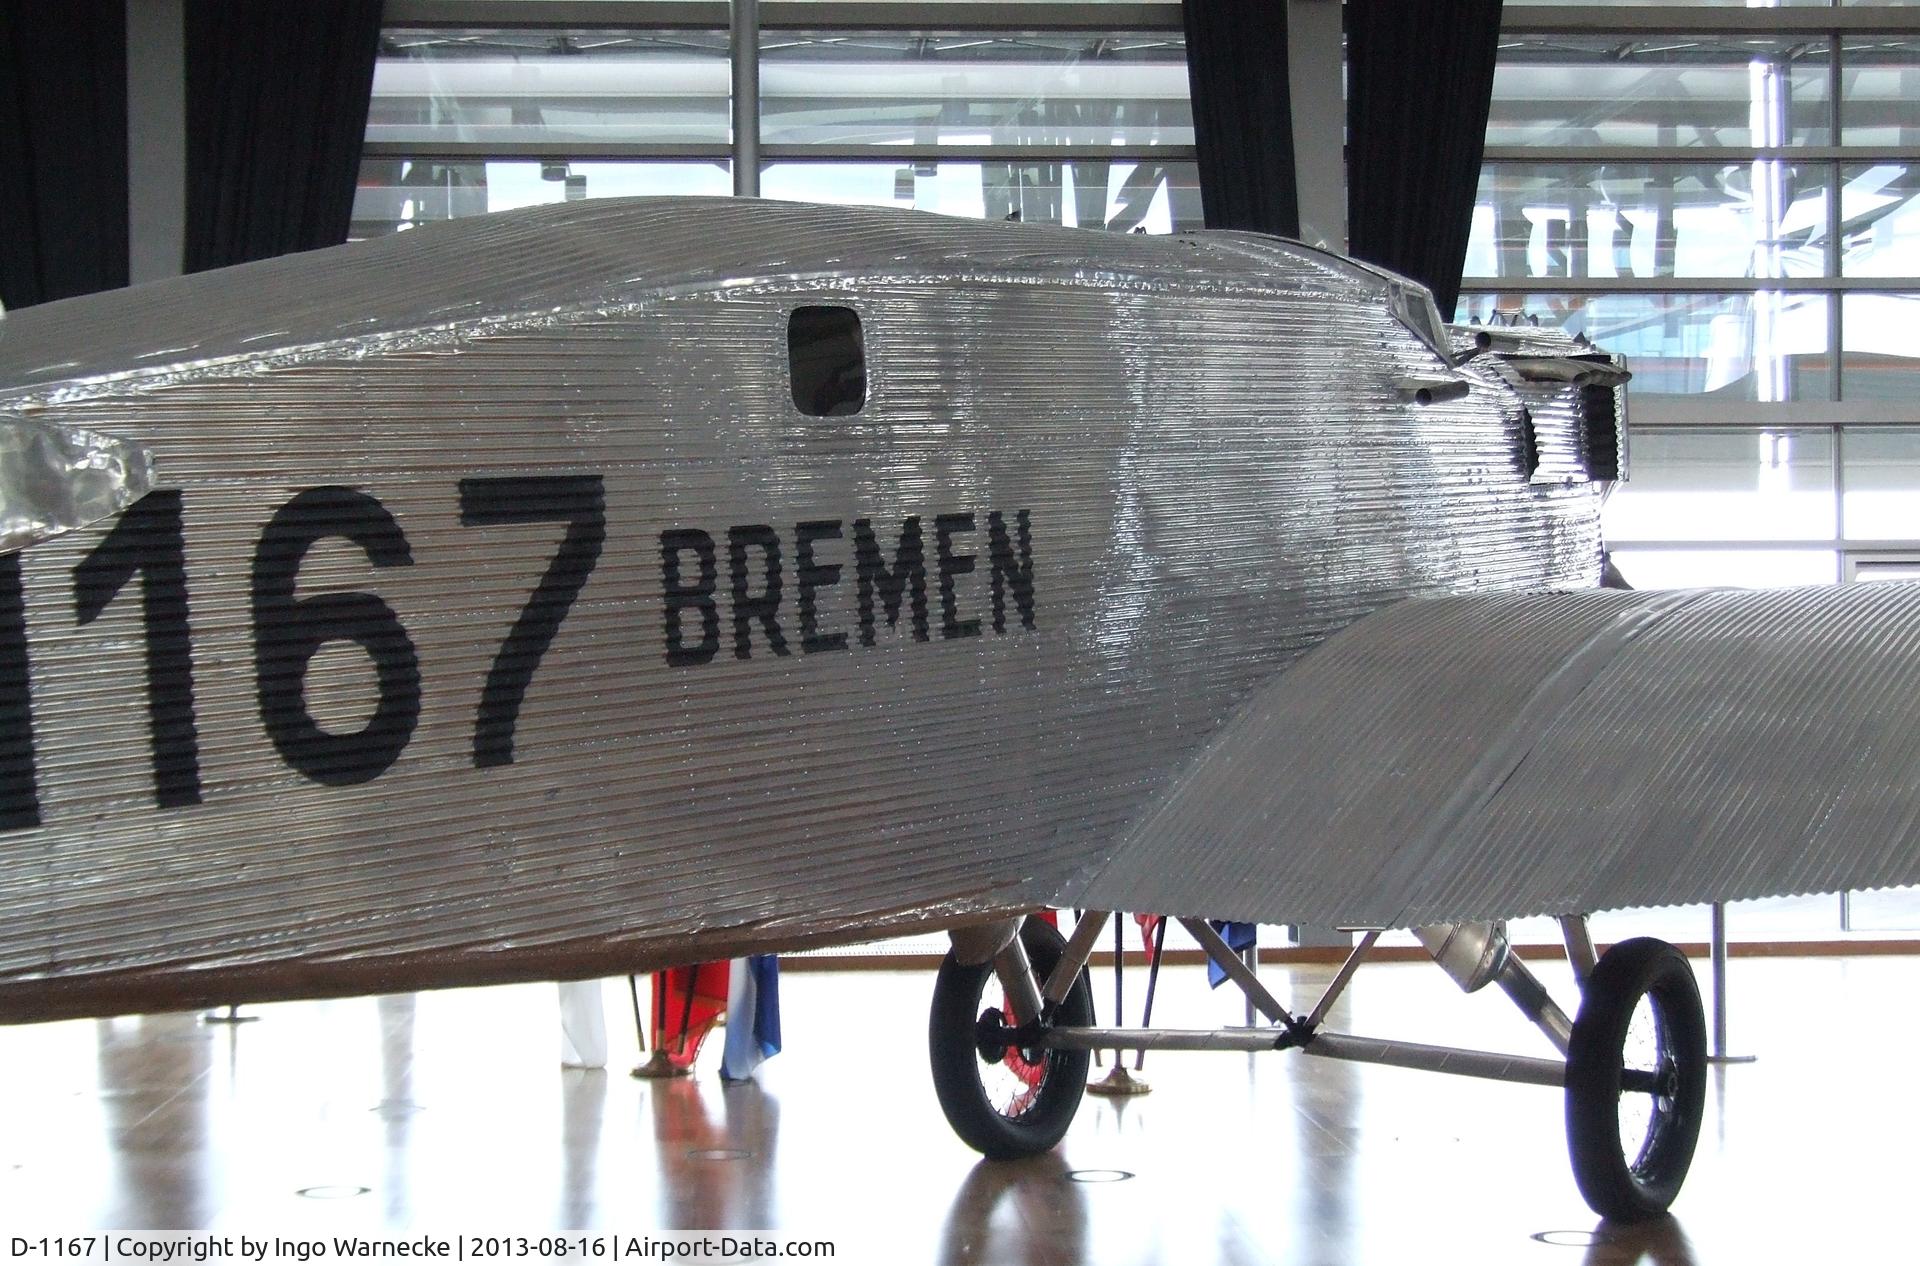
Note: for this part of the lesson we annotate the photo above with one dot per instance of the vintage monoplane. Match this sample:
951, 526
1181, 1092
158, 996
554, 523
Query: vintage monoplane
614, 585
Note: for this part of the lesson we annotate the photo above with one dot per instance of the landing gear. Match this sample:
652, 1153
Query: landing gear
1003, 1097
1636, 1080
1633, 1072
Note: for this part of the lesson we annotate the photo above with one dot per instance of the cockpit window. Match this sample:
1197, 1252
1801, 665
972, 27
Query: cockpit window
827, 358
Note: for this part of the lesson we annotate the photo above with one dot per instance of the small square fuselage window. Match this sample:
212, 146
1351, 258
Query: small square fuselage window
828, 361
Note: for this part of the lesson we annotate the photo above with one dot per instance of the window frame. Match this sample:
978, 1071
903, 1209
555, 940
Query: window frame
794, 303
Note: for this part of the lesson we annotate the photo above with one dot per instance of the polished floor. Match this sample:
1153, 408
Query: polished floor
449, 1111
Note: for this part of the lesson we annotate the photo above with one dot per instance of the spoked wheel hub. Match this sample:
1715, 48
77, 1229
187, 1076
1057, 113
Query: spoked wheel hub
992, 1035
1003, 1098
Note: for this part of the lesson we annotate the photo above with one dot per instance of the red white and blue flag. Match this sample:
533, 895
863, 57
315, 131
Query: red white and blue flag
753, 1016
689, 1001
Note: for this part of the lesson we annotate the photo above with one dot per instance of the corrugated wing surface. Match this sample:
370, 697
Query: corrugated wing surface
1498, 756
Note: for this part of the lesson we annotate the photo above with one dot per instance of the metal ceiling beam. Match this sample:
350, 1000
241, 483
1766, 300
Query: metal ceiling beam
1524, 19
793, 15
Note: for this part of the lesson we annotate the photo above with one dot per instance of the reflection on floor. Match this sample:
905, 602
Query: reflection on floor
449, 1111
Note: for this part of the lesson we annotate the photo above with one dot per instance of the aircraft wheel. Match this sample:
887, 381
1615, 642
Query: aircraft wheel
1003, 1101
1636, 1080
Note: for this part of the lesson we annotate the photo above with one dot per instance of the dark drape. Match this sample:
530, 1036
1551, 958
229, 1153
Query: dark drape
1242, 115
1419, 83
63, 149
276, 111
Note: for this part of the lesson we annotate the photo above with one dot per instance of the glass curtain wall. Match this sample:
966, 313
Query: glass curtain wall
1737, 210
1087, 126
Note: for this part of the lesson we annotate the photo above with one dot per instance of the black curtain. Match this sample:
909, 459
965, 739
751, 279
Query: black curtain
63, 149
1242, 114
1419, 83
276, 111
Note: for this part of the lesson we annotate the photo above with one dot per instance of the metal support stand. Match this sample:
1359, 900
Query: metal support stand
657, 1064
639, 1021
232, 1016
1119, 1082
1153, 980
1718, 950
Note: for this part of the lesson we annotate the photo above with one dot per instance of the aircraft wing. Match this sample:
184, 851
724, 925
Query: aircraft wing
1505, 755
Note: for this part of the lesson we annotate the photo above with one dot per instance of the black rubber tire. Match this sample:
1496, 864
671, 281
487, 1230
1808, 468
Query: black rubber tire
1041, 1117
1616, 1185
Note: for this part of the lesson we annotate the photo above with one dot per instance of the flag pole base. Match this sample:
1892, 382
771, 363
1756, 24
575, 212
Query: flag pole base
1118, 1083
658, 1065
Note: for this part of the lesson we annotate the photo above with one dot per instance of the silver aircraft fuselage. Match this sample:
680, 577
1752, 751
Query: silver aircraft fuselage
498, 614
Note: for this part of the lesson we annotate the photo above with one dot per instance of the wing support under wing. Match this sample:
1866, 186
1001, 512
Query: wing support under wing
1494, 756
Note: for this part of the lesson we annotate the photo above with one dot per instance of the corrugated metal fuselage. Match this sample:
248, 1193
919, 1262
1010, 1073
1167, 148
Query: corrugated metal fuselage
754, 721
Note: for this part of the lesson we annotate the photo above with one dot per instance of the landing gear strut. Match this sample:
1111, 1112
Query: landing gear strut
1012, 1036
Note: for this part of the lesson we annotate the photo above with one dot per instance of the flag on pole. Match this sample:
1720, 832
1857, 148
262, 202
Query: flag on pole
1240, 937
687, 1001
583, 1025
1149, 924
753, 1016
